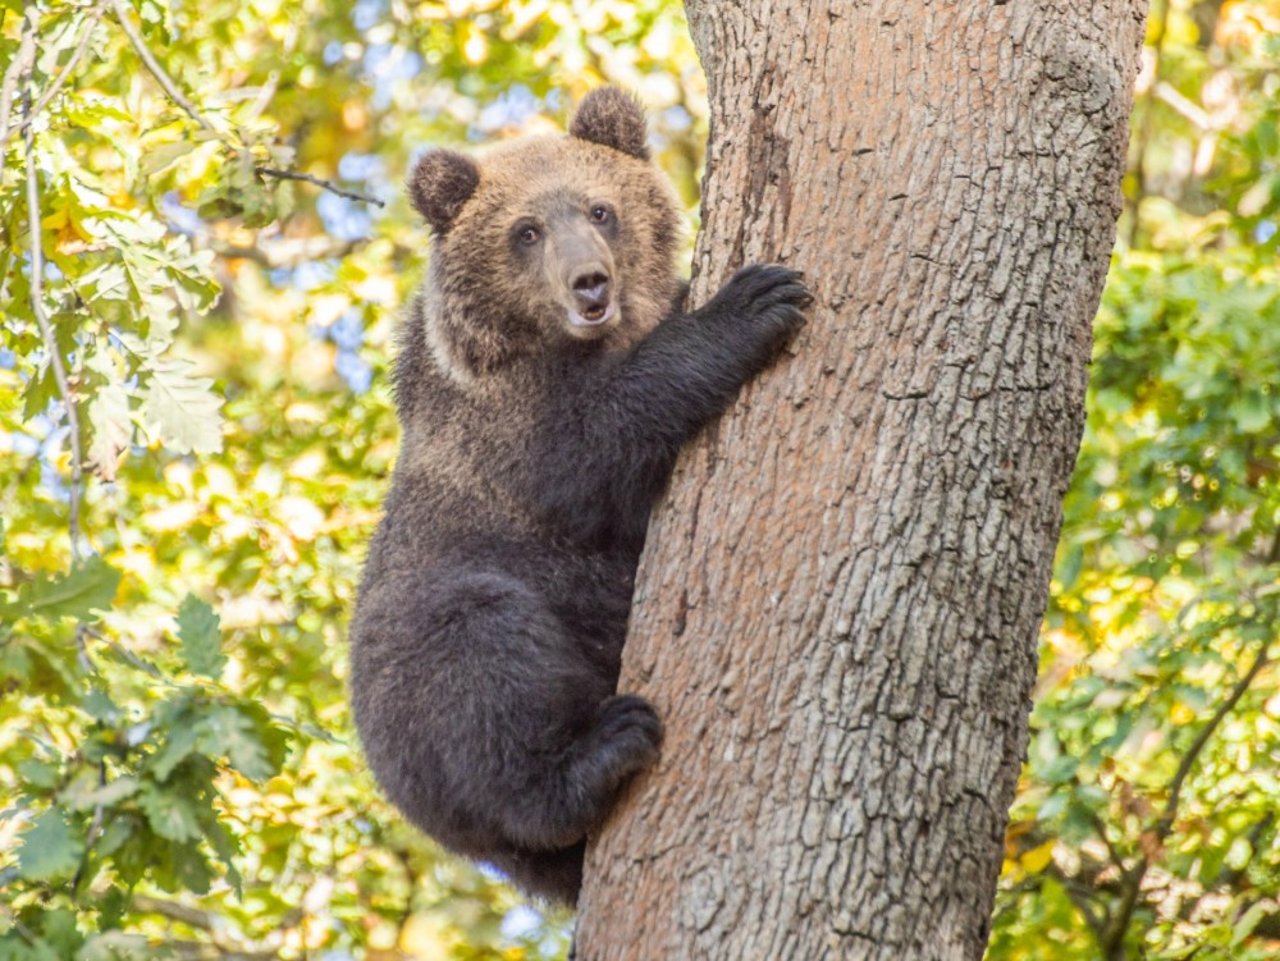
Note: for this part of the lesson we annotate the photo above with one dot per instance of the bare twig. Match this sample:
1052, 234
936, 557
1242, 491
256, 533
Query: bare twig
326, 184
46, 334
86, 34
153, 65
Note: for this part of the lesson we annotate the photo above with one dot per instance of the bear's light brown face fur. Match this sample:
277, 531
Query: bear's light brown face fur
546, 241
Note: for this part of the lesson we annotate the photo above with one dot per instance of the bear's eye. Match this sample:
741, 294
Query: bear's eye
601, 214
528, 234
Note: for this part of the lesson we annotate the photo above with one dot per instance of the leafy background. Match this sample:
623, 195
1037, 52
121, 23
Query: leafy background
195, 433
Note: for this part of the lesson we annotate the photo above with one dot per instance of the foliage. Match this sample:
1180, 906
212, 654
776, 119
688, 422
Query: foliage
196, 435
181, 541
1145, 825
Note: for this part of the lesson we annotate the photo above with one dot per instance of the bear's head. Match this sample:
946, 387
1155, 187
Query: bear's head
548, 241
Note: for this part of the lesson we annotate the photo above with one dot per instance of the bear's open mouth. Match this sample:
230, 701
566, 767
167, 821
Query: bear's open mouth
592, 316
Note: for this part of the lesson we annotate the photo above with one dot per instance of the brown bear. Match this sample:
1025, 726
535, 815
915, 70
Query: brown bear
546, 380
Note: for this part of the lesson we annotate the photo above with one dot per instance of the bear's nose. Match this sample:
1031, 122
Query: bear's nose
591, 287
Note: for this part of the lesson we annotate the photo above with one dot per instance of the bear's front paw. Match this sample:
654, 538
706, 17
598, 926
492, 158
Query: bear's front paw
770, 296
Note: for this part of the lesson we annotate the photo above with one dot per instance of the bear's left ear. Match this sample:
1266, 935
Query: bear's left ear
441, 182
613, 118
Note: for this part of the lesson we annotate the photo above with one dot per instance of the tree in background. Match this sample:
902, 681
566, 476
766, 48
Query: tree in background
177, 776
1145, 823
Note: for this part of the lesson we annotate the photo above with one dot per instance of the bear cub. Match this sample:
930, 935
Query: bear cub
546, 379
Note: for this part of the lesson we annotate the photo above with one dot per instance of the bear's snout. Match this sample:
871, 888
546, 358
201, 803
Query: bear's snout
591, 291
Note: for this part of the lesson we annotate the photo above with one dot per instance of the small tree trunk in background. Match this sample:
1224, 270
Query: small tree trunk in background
837, 611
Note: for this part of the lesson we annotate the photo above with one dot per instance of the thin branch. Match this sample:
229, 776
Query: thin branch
326, 184
1190, 111
21, 66
1148, 119
1113, 941
178, 97
86, 34
95, 826
47, 335
202, 921
1101, 830
153, 65
1165, 824
1079, 896
264, 96
201, 951
191, 917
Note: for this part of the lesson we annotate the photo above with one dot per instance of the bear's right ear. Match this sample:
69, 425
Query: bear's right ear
441, 182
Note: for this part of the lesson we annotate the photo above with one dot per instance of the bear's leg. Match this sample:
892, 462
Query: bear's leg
486, 721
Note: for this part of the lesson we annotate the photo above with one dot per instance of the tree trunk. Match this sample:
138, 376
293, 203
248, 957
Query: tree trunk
837, 610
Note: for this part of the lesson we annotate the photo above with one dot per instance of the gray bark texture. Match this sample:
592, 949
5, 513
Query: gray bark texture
837, 610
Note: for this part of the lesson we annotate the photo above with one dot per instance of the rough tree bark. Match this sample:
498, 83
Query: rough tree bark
837, 611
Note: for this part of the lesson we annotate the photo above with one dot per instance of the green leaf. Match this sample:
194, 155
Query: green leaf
200, 637
227, 732
180, 745
165, 155
89, 586
100, 707
169, 813
112, 429
1244, 926
50, 850
39, 774
78, 798
182, 409
60, 932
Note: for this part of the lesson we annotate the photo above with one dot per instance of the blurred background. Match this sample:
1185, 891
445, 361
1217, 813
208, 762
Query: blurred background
178, 773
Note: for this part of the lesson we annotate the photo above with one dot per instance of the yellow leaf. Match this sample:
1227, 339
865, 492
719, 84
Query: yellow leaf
56, 220
1181, 714
1038, 858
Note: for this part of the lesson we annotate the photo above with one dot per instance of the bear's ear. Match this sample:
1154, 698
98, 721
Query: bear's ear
441, 182
613, 118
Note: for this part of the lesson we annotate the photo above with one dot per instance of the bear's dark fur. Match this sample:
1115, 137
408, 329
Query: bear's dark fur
546, 380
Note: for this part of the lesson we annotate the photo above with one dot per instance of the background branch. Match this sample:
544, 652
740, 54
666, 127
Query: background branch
19, 68
153, 65
86, 34
1112, 942
50, 341
326, 184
